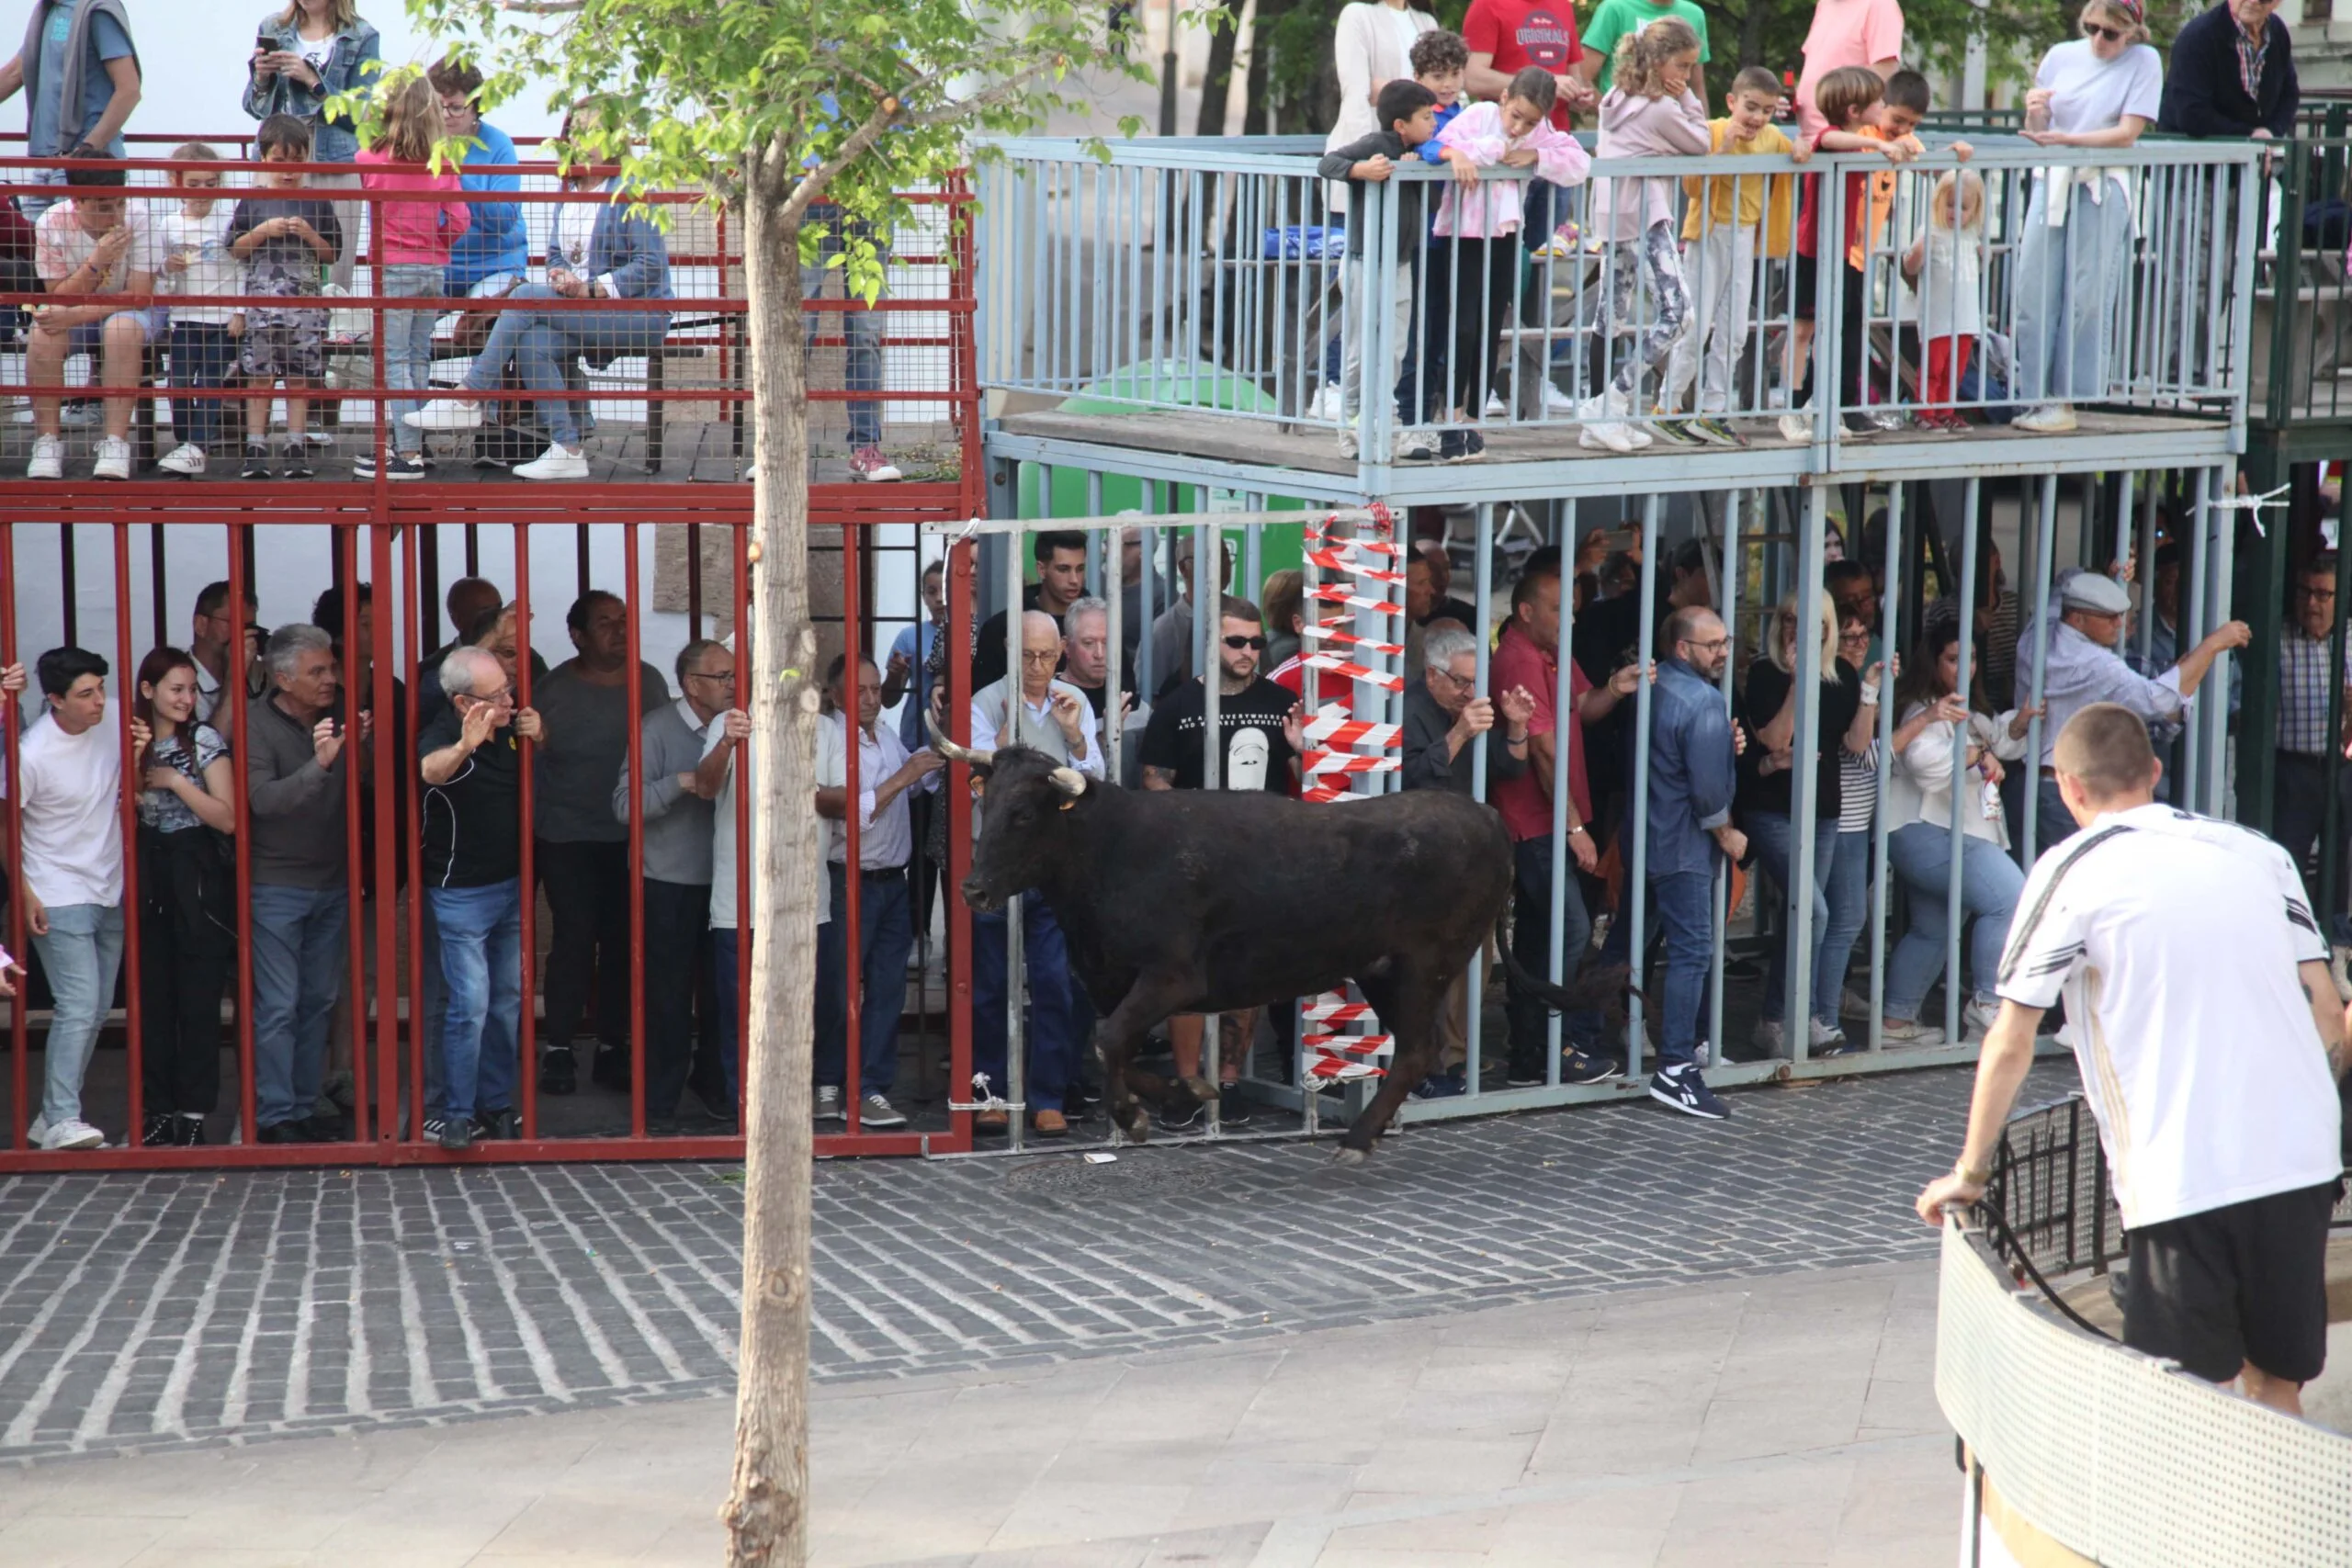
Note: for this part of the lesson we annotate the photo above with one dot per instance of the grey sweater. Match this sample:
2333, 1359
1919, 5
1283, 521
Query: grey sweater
296, 806
677, 825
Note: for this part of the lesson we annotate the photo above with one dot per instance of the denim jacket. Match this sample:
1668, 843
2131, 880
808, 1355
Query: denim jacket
332, 141
627, 249
1691, 769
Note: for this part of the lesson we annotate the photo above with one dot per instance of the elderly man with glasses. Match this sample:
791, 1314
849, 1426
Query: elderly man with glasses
680, 986
470, 760
2084, 664
294, 756
2232, 74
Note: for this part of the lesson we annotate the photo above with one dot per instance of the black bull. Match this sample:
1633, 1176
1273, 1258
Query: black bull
1203, 902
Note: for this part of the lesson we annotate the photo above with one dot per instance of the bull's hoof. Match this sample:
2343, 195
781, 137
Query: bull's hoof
1344, 1155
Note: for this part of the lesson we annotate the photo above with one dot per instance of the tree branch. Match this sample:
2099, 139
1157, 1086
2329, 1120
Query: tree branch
543, 7
1010, 87
812, 184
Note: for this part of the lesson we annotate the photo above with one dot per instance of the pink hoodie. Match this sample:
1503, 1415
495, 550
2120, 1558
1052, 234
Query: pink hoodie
1492, 208
1635, 126
414, 232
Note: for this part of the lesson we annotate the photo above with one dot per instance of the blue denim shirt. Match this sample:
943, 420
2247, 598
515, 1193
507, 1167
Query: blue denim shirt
1691, 772
355, 47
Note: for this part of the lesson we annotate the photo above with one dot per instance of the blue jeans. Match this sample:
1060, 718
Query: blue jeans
481, 964
298, 973
886, 933
203, 356
1530, 1020
1849, 891
728, 976
1053, 1032
2066, 283
1770, 832
1989, 885
408, 345
82, 955
861, 329
543, 343
1685, 911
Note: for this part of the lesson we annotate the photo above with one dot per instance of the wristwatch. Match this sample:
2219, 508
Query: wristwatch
1974, 1178
1574, 829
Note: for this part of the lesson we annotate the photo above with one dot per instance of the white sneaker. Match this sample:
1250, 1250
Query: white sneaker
1795, 427
1611, 436
1349, 446
73, 1133
1418, 445
1977, 1015
1895, 1032
114, 459
1324, 407
1495, 407
1819, 1036
49, 458
445, 413
1558, 402
555, 463
2050, 419
186, 458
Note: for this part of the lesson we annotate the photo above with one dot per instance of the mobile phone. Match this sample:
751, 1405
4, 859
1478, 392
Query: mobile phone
266, 43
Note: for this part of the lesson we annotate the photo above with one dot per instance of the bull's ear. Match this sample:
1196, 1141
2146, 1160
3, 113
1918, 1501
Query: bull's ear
1069, 781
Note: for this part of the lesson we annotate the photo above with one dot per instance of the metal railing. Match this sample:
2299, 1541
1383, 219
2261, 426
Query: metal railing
1215, 279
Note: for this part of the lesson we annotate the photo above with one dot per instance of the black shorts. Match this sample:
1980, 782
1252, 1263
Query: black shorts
2243, 1283
1802, 286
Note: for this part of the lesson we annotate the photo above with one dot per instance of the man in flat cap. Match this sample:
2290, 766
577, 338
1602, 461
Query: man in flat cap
2085, 665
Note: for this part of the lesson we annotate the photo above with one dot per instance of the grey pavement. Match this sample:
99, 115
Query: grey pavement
1786, 1420
144, 1312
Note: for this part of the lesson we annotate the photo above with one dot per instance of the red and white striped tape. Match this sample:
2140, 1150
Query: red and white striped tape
1350, 1045
1339, 666
1334, 1007
1337, 561
1336, 1069
1328, 764
1369, 546
1354, 601
1332, 726
1332, 632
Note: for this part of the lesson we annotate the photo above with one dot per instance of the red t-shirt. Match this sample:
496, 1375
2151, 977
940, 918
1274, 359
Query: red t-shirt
1520, 33
1526, 808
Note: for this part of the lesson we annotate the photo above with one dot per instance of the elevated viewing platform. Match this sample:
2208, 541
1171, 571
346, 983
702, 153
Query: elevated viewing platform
1177, 309
653, 378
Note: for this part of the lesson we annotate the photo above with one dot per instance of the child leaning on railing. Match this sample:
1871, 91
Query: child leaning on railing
1484, 219
1945, 265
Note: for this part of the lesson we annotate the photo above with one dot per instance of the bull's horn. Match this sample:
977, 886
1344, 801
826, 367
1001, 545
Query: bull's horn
955, 754
1069, 781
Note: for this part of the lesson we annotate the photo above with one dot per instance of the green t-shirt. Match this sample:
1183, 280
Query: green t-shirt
1616, 19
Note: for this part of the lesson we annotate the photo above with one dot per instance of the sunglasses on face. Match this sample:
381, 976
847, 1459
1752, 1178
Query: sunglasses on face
2095, 29
1258, 642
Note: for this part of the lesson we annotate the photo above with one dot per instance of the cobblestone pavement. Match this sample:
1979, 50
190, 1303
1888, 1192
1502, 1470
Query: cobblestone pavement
153, 1311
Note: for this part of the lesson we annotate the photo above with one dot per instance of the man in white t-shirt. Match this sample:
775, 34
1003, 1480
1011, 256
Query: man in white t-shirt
70, 761
2209, 1037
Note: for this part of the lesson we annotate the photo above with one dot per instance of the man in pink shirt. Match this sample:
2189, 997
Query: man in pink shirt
1847, 32
1528, 656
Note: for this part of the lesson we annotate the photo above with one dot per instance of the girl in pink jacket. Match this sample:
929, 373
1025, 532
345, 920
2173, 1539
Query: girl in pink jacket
413, 241
1650, 113
1477, 225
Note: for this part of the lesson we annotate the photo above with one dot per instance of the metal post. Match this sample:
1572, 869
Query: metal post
527, 1031
1890, 604
1969, 552
1208, 622
2045, 626
126, 688
2222, 535
1728, 599
1802, 785
1016, 958
635, 691
1565, 735
11, 727
1475, 976
2195, 622
1637, 864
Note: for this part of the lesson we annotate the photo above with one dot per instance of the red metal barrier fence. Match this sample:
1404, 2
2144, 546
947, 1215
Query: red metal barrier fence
389, 540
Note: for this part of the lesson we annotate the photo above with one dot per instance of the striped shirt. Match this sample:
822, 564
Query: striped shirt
2303, 692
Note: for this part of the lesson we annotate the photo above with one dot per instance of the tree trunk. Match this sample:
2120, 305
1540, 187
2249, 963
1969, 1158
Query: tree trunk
766, 1513
1217, 78
1256, 103
1751, 31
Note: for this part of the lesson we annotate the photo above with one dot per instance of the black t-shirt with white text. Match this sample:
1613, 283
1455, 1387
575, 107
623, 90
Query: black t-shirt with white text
1172, 739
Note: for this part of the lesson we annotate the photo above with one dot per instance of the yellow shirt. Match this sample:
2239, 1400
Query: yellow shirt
1740, 199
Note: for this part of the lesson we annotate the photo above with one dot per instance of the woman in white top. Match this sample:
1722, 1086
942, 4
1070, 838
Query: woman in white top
2101, 90
1930, 712
1371, 45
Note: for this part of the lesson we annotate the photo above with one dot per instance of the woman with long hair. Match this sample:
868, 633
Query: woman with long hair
1933, 715
187, 915
1768, 709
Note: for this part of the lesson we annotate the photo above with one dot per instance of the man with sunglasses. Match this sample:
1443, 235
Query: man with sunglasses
1260, 733
470, 762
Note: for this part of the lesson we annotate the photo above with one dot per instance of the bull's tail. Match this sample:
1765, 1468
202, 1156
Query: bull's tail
1596, 988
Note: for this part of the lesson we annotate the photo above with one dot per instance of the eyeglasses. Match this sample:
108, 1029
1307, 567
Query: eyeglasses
1049, 656
503, 697
1710, 645
2319, 593
2093, 29
724, 677
1463, 681
1258, 642
1853, 637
